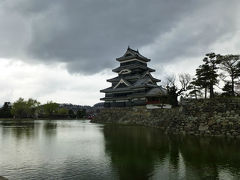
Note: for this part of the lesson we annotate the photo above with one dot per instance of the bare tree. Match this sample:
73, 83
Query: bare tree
170, 80
230, 64
184, 79
173, 89
184, 82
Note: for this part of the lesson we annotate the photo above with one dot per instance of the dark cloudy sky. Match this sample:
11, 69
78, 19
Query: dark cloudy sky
64, 50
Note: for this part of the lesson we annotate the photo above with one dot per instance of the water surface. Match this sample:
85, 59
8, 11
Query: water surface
81, 150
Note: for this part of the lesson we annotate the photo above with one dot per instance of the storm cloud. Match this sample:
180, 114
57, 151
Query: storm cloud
88, 35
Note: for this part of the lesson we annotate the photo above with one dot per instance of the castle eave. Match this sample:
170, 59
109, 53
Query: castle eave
117, 70
120, 59
117, 90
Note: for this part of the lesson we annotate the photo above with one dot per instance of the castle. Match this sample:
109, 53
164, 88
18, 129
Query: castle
134, 85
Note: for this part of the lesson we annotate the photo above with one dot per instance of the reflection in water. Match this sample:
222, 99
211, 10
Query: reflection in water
209, 157
129, 151
81, 150
53, 150
50, 130
18, 129
140, 153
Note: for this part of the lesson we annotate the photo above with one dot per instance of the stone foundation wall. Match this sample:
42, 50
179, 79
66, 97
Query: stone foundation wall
217, 117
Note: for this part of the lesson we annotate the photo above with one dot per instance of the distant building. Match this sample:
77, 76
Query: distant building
134, 85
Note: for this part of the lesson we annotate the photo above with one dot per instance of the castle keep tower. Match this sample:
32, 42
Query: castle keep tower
134, 84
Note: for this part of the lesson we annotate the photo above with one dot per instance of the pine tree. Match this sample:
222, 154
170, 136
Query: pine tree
5, 111
227, 89
206, 74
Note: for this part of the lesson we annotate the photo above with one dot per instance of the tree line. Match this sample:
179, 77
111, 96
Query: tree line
216, 69
31, 108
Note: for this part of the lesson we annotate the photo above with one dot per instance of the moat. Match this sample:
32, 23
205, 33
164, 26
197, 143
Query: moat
64, 149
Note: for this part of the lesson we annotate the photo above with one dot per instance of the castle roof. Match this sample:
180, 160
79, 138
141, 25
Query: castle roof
133, 77
133, 66
132, 54
158, 91
140, 83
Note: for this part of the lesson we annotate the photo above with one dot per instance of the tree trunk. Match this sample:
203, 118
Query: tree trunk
211, 91
205, 92
233, 93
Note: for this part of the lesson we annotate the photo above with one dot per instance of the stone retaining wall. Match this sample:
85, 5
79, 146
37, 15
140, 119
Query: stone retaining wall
217, 117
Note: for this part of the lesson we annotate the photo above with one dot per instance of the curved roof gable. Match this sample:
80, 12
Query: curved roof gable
122, 81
